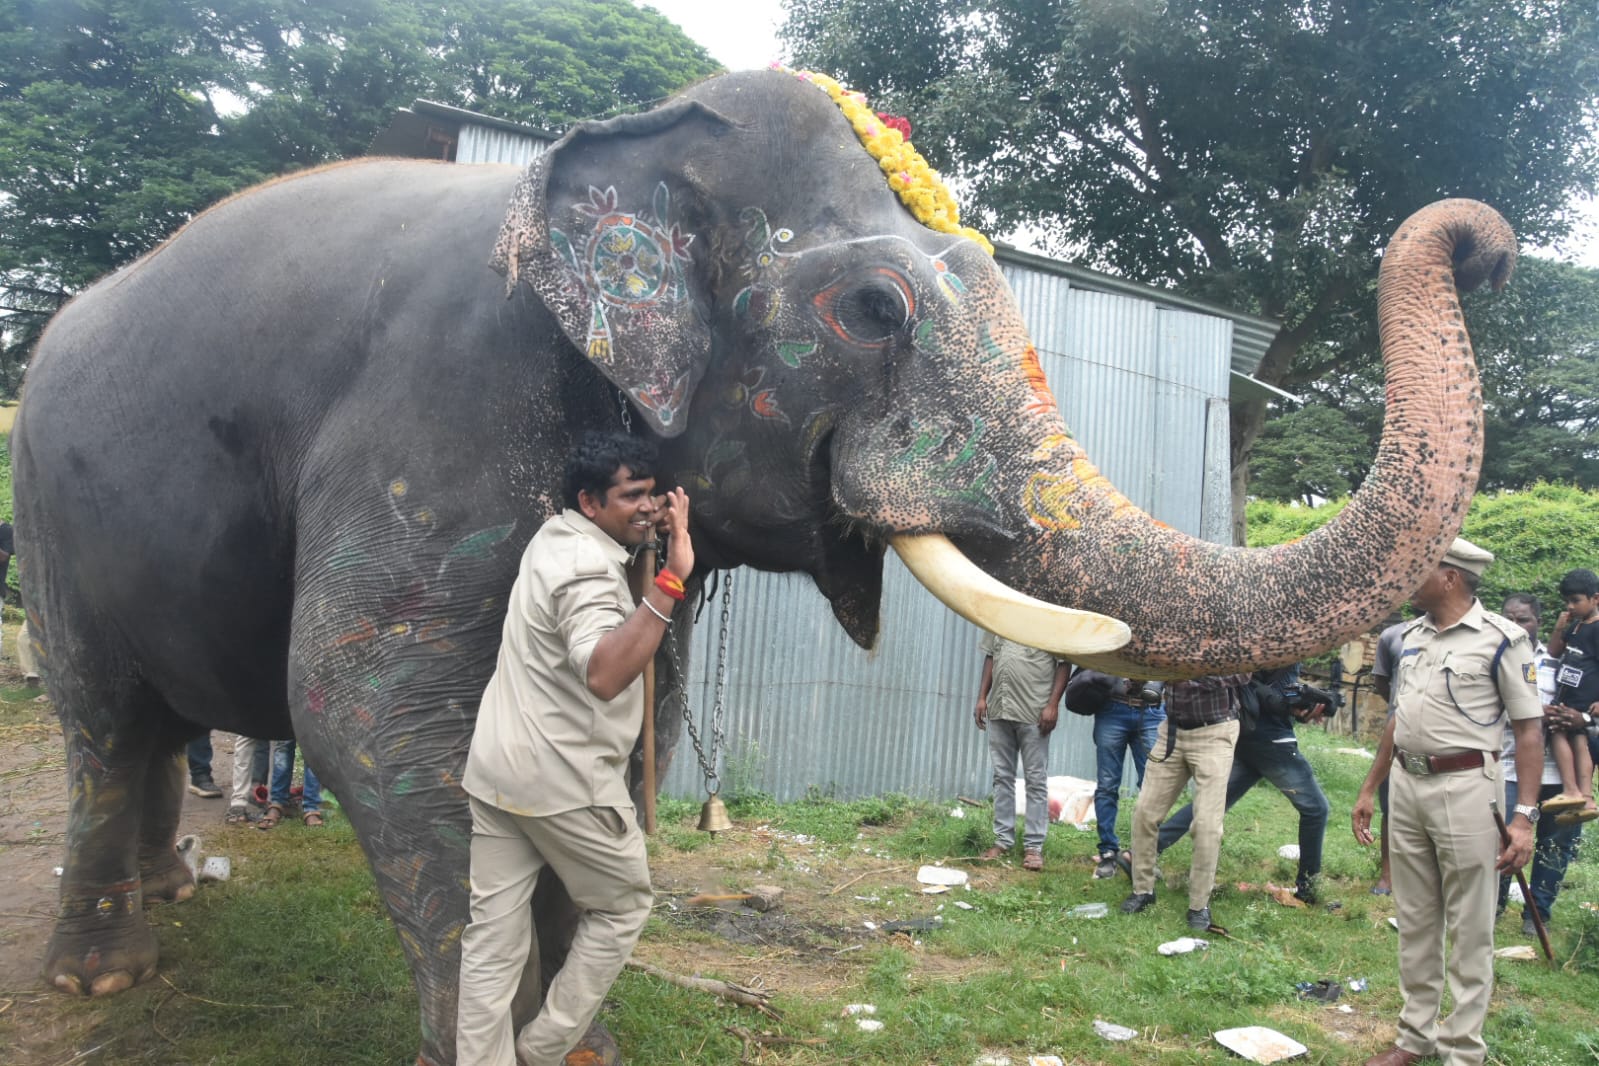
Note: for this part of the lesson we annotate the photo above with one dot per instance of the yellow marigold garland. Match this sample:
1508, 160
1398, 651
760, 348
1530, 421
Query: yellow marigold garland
916, 184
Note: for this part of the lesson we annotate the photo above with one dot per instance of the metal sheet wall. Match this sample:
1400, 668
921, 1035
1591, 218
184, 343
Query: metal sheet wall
483, 144
806, 709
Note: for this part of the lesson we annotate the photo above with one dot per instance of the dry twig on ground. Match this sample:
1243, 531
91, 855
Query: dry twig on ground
747, 997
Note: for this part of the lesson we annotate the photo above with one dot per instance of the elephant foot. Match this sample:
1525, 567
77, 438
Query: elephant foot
110, 954
168, 879
597, 1048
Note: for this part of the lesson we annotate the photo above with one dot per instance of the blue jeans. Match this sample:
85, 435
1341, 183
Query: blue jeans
1554, 846
199, 755
1271, 752
1007, 740
283, 777
1117, 728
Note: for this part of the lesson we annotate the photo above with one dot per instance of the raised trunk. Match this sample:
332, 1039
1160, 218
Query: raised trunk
1200, 608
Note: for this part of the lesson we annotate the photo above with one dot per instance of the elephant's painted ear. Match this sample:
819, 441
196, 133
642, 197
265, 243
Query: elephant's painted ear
597, 230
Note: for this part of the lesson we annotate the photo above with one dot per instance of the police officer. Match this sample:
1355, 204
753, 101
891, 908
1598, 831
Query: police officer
1461, 671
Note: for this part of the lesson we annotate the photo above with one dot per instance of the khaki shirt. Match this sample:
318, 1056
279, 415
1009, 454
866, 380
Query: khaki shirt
1446, 700
544, 743
1022, 680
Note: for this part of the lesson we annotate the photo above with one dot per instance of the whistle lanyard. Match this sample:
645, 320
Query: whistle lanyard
1493, 673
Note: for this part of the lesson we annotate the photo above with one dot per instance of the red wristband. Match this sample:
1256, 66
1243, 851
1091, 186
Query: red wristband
670, 584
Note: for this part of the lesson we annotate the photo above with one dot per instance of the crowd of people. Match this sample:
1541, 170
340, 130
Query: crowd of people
1486, 761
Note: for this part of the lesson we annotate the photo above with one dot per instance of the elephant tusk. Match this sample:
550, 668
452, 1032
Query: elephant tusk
983, 601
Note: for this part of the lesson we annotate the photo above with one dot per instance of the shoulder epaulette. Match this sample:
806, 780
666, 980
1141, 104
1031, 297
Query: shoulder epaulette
1513, 632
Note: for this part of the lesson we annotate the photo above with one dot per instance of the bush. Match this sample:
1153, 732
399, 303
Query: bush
1536, 535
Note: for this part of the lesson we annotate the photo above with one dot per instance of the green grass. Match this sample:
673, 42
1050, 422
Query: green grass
295, 960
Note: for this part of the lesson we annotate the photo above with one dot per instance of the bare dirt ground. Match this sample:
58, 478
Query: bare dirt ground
33, 820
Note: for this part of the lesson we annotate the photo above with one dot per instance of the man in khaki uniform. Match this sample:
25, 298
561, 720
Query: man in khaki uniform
1461, 671
545, 774
1018, 706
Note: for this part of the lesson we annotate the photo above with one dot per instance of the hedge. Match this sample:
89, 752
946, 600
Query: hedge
1536, 535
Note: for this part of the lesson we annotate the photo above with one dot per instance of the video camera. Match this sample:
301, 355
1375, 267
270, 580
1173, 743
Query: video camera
1302, 699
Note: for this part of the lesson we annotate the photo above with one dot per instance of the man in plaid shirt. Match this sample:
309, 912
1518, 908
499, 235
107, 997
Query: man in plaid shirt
1196, 741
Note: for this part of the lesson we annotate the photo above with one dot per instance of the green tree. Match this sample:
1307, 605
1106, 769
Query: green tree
109, 138
1537, 348
1256, 153
1314, 453
120, 119
551, 62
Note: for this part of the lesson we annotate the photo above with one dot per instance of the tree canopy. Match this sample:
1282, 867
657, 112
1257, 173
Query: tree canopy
120, 119
1251, 152
1537, 346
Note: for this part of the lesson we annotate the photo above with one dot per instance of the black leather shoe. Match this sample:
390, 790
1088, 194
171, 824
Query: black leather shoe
1527, 926
1199, 920
1137, 902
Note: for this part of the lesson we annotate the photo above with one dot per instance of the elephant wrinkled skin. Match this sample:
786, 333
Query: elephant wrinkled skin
277, 474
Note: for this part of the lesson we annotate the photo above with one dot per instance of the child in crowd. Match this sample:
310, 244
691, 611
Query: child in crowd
1575, 647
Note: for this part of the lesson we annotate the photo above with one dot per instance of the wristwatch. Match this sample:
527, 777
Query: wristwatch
1528, 812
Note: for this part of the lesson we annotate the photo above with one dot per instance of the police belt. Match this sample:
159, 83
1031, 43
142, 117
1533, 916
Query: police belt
1422, 765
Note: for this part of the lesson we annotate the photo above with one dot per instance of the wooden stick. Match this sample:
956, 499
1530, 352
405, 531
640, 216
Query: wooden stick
1526, 893
648, 563
716, 897
747, 997
767, 1039
882, 870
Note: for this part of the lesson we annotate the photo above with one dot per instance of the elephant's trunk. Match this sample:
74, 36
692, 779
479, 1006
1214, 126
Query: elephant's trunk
1199, 608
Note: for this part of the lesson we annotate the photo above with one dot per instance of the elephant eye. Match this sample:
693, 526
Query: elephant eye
867, 308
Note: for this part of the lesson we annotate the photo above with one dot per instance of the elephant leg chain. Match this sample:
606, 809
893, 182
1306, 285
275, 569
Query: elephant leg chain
713, 783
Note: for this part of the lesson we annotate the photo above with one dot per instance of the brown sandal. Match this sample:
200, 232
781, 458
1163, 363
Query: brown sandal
273, 815
313, 819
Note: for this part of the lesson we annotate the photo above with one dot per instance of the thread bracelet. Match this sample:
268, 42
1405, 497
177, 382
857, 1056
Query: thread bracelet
670, 584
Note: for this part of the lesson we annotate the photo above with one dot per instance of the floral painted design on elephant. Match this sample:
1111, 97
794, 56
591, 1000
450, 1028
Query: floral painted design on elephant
630, 261
966, 476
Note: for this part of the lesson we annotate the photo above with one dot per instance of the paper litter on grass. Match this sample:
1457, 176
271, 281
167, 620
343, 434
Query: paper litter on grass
1112, 1031
1259, 1044
941, 875
1523, 952
1183, 945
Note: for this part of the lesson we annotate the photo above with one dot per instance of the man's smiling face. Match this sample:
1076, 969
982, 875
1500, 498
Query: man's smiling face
627, 511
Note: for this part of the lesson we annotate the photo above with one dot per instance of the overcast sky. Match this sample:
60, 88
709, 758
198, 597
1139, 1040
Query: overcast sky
739, 34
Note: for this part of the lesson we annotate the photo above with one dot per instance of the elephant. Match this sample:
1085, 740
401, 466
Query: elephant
275, 476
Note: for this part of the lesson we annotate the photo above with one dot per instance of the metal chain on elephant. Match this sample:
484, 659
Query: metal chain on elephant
627, 413
713, 782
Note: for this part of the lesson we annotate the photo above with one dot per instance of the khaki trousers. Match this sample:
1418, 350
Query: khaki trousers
27, 661
1443, 844
1205, 755
243, 757
598, 852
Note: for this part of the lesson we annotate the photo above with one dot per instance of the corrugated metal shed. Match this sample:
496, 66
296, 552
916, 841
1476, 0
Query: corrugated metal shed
1140, 385
481, 144
1143, 379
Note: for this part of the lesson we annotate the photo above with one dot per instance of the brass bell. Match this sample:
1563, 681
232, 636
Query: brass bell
713, 816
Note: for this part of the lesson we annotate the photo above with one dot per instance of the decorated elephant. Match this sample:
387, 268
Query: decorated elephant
276, 475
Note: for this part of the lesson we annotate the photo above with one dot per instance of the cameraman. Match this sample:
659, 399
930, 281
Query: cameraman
1269, 750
